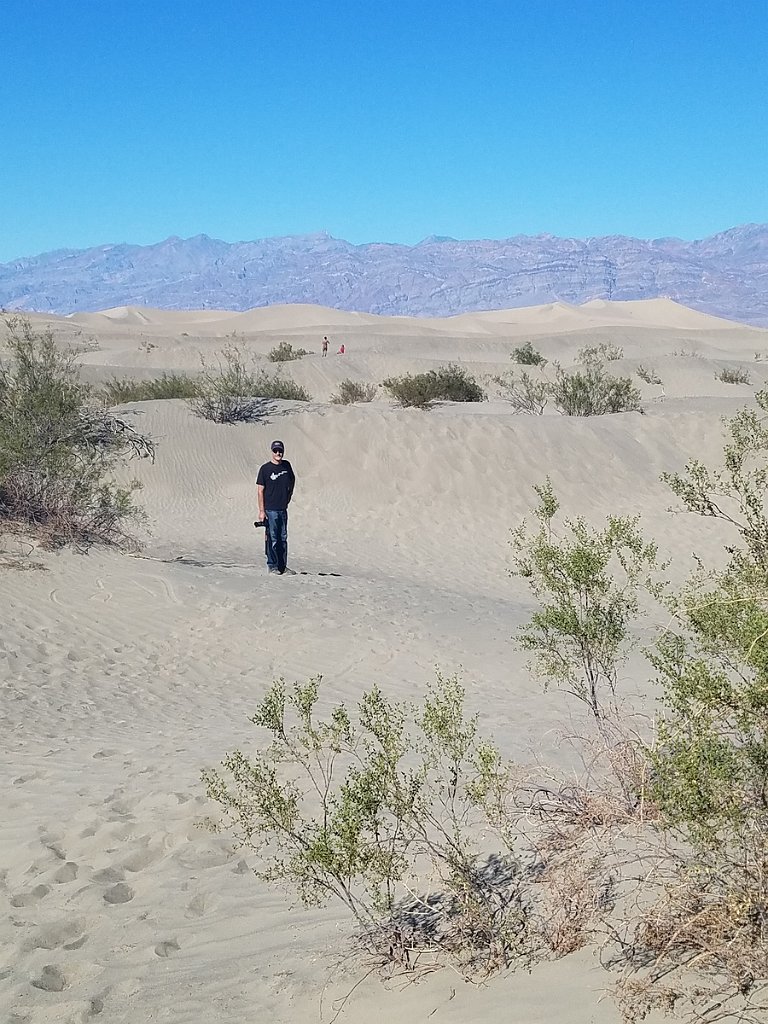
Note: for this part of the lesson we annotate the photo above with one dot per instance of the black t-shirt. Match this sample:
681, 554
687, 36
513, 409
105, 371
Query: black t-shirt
278, 480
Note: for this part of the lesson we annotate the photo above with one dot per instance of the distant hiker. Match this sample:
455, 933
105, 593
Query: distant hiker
341, 350
274, 487
325, 346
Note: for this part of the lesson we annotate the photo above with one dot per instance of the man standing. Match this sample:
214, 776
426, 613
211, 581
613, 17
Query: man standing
325, 346
274, 486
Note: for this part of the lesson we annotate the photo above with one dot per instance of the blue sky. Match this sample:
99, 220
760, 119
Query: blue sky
125, 120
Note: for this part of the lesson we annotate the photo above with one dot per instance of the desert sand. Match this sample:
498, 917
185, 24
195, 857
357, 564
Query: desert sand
123, 676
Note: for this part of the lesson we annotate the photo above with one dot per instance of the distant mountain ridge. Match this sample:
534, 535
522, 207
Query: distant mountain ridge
726, 274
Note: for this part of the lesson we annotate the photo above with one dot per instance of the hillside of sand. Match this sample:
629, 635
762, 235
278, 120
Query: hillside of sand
123, 676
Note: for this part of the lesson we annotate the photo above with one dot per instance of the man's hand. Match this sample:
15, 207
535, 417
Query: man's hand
259, 523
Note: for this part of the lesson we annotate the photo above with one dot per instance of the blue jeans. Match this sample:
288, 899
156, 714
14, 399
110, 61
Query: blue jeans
276, 540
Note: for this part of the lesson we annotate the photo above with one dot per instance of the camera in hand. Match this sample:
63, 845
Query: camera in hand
259, 523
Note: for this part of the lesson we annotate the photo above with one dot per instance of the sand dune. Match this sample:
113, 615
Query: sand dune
123, 676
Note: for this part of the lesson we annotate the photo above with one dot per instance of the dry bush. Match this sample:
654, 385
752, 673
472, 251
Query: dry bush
352, 391
595, 355
286, 353
236, 392
524, 394
118, 390
648, 374
733, 375
702, 943
577, 892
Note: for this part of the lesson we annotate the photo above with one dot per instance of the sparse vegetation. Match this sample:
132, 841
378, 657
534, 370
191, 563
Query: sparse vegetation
595, 355
352, 391
688, 353
285, 353
648, 375
733, 375
235, 392
118, 390
81, 345
591, 392
523, 393
659, 852
527, 355
449, 383
58, 450
589, 583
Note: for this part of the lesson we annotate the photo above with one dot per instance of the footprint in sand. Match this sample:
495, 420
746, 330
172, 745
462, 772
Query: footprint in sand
68, 932
28, 899
67, 873
50, 979
109, 875
120, 893
167, 948
195, 907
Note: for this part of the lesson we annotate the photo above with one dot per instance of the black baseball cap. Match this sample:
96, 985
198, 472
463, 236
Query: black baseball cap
277, 446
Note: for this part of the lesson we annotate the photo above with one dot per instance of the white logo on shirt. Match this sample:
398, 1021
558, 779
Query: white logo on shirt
275, 476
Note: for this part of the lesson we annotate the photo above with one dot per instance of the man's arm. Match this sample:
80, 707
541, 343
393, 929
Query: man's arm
291, 484
260, 496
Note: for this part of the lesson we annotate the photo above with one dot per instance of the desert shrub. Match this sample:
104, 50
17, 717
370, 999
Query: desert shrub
648, 374
594, 392
589, 583
688, 353
351, 391
234, 391
353, 806
80, 345
118, 390
449, 383
523, 393
594, 355
58, 450
527, 355
285, 353
733, 375
711, 757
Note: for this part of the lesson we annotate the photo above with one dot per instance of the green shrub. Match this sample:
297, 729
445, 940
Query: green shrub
58, 450
450, 383
285, 353
351, 805
594, 392
235, 392
527, 355
118, 390
710, 760
733, 375
589, 582
351, 391
523, 393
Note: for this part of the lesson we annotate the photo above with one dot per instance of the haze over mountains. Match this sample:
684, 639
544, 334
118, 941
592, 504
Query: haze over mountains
726, 274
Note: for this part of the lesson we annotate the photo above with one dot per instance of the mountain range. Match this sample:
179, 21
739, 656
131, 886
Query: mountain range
726, 274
